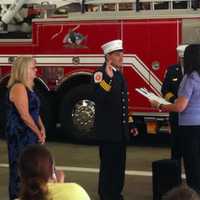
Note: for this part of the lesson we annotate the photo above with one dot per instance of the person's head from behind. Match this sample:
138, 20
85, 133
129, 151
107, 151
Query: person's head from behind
23, 71
36, 168
192, 59
181, 193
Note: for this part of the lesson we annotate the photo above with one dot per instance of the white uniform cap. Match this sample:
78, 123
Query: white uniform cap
181, 49
111, 46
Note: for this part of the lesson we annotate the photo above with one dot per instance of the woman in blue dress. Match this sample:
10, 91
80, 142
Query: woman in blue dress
24, 125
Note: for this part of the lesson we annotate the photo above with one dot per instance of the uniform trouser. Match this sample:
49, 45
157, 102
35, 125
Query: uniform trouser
176, 149
112, 170
175, 142
191, 155
175, 137
16, 144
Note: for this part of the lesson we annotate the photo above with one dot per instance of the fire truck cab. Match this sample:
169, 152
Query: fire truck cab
65, 39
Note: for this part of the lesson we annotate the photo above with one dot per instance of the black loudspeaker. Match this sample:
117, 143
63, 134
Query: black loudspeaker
166, 175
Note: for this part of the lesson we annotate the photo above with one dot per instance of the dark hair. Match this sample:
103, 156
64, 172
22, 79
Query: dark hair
181, 193
192, 59
36, 167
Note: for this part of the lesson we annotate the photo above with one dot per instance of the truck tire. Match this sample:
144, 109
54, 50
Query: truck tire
77, 112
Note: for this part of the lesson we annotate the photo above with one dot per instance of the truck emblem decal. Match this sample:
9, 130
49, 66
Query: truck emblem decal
74, 39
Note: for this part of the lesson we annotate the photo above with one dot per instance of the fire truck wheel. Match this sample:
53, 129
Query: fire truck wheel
77, 114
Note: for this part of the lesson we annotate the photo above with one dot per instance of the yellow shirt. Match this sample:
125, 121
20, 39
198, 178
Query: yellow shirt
67, 191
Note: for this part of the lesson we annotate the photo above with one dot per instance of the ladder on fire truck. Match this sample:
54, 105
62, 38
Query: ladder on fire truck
10, 8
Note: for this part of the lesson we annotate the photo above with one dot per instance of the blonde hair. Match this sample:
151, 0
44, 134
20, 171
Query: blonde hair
19, 71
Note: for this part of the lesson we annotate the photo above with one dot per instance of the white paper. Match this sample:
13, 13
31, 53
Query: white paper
152, 96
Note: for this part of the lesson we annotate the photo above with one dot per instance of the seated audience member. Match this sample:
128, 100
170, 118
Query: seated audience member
182, 192
39, 182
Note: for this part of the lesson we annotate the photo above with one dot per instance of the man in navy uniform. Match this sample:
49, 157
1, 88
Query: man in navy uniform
169, 90
111, 121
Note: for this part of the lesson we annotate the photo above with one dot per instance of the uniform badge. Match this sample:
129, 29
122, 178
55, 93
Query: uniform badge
98, 76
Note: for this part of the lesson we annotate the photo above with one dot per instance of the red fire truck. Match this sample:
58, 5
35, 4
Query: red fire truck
65, 39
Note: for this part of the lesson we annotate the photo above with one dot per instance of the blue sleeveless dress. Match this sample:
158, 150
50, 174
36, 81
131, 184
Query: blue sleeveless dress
19, 135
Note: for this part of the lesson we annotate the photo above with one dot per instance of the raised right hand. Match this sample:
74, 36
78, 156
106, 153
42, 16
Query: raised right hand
109, 69
60, 176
